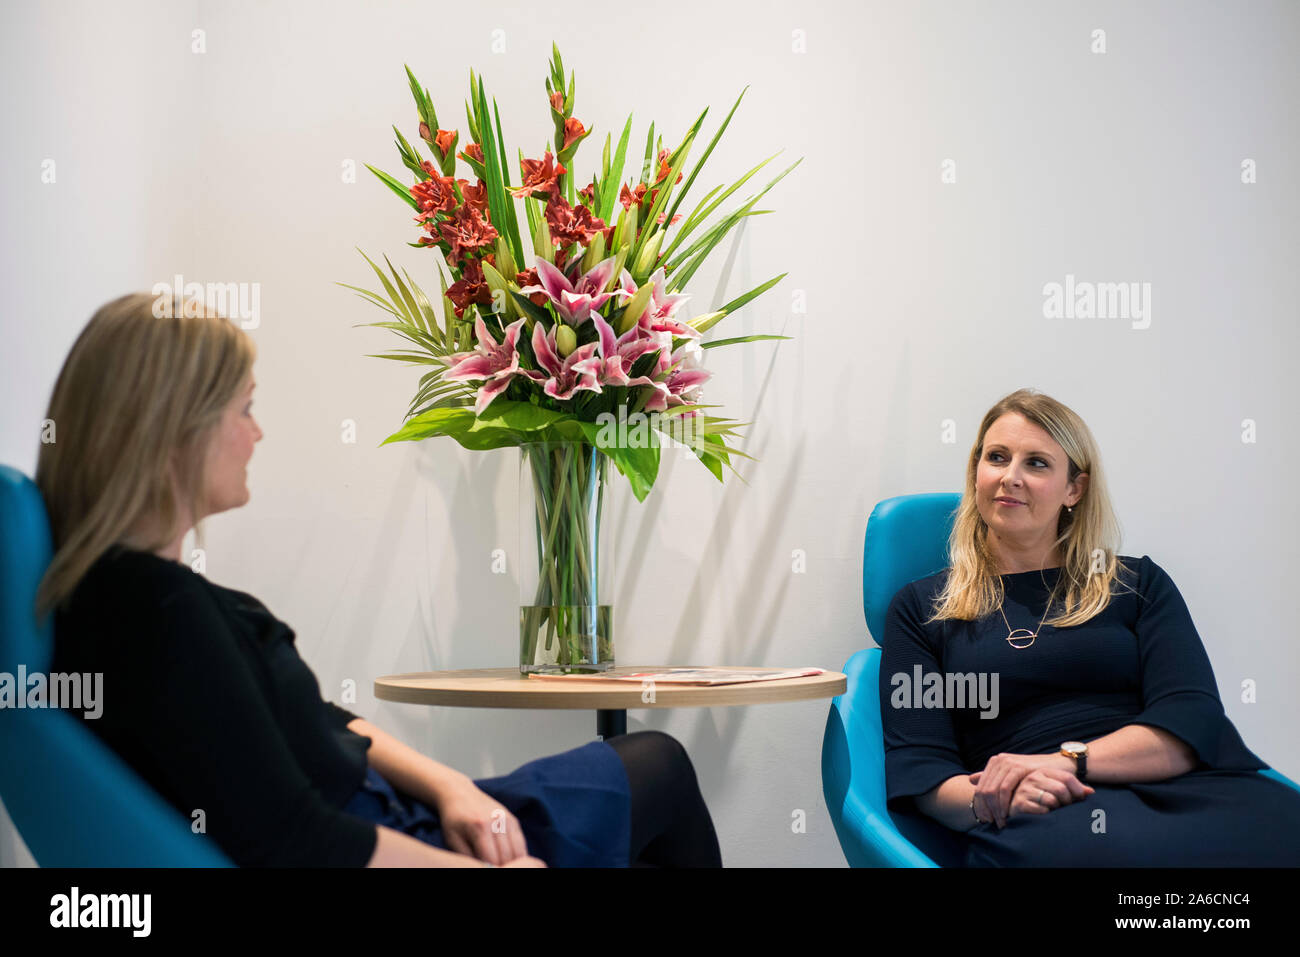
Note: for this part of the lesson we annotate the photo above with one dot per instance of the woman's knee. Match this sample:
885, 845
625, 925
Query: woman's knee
656, 748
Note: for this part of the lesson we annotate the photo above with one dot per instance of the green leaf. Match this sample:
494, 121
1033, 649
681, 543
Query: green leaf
646, 171
752, 294
519, 416
411, 157
641, 466
371, 297
728, 342
396, 186
426, 311
388, 288
412, 310
612, 184
400, 356
675, 163
531, 309
700, 163
423, 105
701, 213
500, 203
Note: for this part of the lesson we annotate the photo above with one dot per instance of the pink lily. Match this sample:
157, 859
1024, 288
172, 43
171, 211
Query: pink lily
579, 370
496, 363
575, 301
619, 354
658, 316
687, 376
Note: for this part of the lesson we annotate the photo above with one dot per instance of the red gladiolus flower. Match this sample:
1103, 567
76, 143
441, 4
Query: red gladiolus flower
572, 130
473, 151
528, 277
588, 192
570, 224
436, 194
629, 198
557, 101
665, 169
445, 139
539, 176
470, 288
475, 196
466, 232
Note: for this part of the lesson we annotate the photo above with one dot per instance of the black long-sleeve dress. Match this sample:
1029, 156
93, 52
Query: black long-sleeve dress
1140, 661
206, 697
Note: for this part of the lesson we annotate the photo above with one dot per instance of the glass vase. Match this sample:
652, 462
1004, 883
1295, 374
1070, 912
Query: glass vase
566, 614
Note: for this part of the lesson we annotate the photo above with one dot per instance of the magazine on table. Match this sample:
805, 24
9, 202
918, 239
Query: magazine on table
689, 676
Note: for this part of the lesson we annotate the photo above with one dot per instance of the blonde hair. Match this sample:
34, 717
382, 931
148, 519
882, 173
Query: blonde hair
1088, 537
135, 408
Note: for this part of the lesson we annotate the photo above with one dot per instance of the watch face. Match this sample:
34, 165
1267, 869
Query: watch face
1076, 746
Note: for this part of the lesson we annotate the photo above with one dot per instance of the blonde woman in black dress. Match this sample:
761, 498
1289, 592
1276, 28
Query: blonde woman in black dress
1109, 745
206, 696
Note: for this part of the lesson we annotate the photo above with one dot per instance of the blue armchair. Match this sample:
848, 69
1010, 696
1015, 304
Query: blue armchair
906, 539
75, 803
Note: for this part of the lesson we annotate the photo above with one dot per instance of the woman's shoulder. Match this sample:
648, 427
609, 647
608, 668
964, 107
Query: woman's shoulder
915, 597
137, 594
123, 577
927, 587
1141, 573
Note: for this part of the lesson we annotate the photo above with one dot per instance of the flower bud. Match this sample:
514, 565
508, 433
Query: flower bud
636, 307
566, 340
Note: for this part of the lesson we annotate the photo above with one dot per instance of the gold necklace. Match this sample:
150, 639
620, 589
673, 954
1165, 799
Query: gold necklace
1020, 634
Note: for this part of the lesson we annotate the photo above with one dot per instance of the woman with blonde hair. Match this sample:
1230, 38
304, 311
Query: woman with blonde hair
1107, 744
205, 694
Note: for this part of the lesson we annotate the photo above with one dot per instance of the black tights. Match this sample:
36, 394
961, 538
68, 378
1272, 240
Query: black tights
671, 826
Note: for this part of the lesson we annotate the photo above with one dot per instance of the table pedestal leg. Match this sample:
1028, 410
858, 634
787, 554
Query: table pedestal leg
610, 723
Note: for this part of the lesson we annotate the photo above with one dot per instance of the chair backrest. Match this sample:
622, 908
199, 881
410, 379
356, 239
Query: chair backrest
74, 801
906, 539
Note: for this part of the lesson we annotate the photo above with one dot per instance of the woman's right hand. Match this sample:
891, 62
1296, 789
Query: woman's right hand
1046, 789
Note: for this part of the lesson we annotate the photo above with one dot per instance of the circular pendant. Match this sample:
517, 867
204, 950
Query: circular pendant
1020, 634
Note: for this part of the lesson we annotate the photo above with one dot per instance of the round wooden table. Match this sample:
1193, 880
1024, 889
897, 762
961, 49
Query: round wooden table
507, 688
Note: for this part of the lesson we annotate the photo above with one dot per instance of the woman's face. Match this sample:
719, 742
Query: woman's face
1021, 482
232, 447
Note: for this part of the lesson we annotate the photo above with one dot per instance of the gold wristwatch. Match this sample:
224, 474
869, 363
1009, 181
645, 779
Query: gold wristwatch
1079, 751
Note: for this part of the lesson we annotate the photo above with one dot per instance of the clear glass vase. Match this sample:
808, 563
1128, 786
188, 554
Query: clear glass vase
566, 614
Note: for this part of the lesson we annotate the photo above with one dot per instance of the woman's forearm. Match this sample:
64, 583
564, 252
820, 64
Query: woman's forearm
949, 803
395, 849
1136, 752
405, 768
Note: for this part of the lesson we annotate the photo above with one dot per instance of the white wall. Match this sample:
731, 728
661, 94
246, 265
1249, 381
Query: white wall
924, 303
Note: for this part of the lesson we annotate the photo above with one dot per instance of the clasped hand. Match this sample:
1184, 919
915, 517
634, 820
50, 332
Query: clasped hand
477, 825
1010, 785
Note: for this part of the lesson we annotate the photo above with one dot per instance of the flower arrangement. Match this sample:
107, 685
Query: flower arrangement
558, 349
583, 331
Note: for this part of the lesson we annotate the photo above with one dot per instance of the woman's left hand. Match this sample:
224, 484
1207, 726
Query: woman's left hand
477, 824
996, 785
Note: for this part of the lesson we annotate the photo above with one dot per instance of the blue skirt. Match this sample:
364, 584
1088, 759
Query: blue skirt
1204, 818
574, 807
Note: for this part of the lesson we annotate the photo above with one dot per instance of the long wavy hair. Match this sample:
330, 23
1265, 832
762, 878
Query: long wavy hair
1089, 537
135, 409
